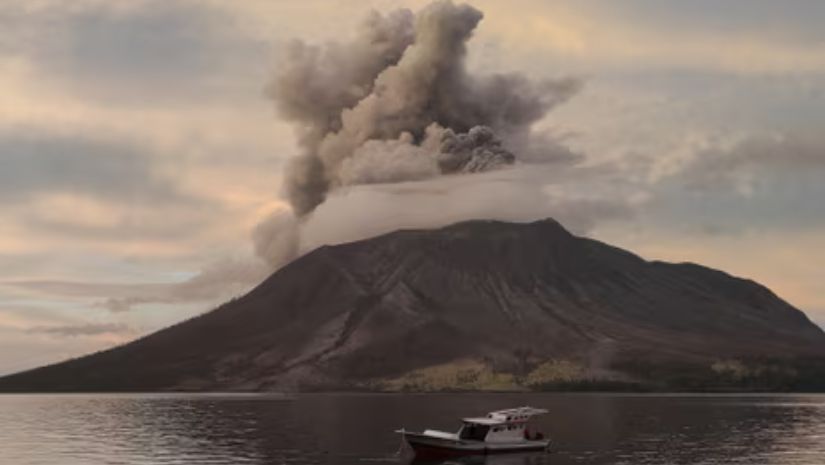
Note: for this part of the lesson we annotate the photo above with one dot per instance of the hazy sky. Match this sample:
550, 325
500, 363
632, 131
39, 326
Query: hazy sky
138, 149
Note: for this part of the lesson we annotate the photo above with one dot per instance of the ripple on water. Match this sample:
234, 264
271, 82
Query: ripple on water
346, 429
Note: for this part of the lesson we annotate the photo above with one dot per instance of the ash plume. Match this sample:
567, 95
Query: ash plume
397, 104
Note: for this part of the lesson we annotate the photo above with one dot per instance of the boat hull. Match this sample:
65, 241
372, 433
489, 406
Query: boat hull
429, 446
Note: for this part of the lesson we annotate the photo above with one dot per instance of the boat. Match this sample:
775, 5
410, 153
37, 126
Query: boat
500, 431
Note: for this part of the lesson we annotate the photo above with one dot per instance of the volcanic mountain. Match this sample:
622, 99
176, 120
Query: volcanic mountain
480, 304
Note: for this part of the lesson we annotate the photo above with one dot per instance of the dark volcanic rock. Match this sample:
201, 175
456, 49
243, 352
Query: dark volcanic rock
508, 294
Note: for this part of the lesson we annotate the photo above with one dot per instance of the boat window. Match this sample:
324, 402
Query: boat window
474, 432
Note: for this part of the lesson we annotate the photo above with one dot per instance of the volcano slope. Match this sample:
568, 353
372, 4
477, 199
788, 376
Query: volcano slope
475, 305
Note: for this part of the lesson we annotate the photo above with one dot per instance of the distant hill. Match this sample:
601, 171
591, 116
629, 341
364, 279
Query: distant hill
475, 305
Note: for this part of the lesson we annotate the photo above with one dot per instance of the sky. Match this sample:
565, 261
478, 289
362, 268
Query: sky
139, 150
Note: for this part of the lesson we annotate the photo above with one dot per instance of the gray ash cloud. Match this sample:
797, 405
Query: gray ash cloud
396, 103
401, 74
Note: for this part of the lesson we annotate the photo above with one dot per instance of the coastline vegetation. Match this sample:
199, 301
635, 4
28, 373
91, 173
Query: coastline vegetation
722, 375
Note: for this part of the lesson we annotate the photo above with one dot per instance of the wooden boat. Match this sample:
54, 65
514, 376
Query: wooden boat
501, 431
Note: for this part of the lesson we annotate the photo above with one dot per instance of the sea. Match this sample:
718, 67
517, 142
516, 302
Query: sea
350, 429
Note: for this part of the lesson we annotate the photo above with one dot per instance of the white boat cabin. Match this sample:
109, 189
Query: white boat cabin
498, 432
501, 426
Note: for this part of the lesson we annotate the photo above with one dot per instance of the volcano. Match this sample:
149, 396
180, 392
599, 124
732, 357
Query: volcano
475, 305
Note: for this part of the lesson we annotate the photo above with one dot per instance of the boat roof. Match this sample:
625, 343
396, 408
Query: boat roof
498, 417
483, 421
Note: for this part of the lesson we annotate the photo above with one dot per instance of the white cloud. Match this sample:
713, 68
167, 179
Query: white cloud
523, 193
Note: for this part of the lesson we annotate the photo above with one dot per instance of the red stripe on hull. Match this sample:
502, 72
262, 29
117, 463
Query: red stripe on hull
428, 451
434, 452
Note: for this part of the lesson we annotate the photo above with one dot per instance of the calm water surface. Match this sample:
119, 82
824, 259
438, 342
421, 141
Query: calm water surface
344, 429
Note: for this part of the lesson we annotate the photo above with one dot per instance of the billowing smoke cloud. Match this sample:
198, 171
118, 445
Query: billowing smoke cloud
397, 104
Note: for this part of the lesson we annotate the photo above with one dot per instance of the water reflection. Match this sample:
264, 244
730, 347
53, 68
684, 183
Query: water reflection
357, 429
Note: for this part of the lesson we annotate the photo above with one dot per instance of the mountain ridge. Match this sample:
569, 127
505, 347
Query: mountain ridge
512, 297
